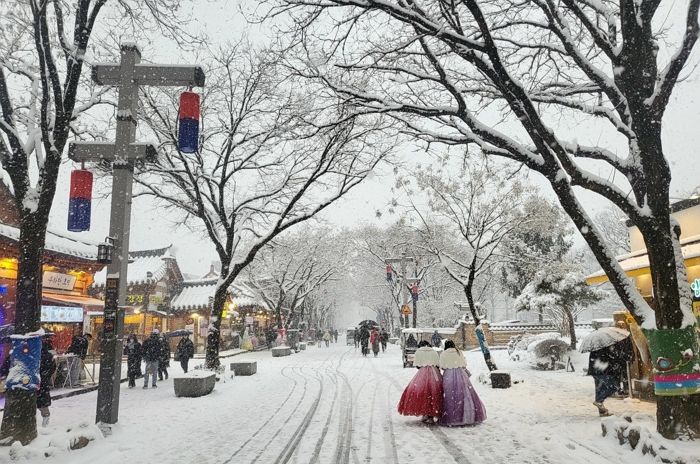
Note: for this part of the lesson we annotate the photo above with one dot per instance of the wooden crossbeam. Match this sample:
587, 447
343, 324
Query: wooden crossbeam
98, 151
150, 74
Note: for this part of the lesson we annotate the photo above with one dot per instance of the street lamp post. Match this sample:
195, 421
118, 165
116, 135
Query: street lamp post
128, 75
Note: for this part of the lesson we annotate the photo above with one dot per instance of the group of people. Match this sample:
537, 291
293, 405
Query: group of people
155, 353
375, 337
441, 391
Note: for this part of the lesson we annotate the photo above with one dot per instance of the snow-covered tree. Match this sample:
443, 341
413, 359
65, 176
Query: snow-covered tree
499, 75
613, 227
560, 292
271, 157
286, 272
44, 46
543, 239
471, 214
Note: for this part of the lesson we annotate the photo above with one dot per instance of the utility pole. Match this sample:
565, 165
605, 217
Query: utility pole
128, 75
402, 262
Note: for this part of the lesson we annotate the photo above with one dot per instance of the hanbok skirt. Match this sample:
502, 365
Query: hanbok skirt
423, 395
461, 404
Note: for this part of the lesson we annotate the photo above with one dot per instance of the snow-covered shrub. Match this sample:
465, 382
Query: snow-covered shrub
536, 349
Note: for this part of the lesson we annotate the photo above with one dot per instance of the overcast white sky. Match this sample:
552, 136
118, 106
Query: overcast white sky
222, 21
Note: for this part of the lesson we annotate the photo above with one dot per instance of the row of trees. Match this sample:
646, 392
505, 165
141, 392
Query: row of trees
497, 76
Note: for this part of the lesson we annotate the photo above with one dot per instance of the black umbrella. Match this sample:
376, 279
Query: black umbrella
178, 333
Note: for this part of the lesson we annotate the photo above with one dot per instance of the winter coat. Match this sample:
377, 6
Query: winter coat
78, 346
426, 356
452, 359
133, 358
327, 336
375, 341
164, 359
385, 336
436, 339
47, 367
185, 349
611, 360
151, 348
364, 335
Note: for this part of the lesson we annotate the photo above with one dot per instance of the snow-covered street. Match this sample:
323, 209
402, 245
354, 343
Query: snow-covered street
331, 405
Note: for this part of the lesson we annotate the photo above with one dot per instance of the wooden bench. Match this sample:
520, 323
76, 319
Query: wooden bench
194, 384
244, 368
281, 351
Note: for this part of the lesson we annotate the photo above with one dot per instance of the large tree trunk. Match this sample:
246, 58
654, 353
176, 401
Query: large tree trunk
674, 415
19, 417
214, 332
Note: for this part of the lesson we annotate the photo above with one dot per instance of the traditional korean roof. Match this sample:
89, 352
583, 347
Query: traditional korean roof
146, 266
58, 243
194, 295
638, 261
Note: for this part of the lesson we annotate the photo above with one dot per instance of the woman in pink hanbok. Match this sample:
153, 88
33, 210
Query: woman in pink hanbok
461, 404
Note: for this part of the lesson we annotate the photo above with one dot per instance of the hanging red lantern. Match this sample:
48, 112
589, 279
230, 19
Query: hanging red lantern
80, 200
389, 272
188, 116
414, 292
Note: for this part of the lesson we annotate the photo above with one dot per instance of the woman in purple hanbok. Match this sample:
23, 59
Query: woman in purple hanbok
461, 405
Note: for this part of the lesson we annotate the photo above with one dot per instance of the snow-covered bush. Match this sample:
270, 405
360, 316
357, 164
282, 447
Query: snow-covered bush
536, 349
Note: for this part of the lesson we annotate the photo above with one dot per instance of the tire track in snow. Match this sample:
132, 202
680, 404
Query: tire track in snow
272, 416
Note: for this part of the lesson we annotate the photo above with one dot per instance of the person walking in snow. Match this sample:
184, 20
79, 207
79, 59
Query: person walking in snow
132, 350
364, 340
335, 335
423, 395
356, 336
151, 355
47, 367
605, 366
384, 338
164, 359
184, 352
461, 404
327, 338
375, 340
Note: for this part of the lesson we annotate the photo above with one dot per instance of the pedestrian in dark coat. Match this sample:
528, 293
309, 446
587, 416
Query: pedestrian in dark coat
151, 352
384, 338
604, 365
335, 335
184, 352
132, 351
163, 359
364, 340
356, 335
47, 367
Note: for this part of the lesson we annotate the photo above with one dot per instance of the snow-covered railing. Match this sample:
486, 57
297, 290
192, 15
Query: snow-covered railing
534, 326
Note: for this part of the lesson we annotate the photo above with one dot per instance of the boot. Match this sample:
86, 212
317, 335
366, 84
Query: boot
45, 421
602, 410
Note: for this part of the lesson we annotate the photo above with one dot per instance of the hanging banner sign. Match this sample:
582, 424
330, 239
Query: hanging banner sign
58, 281
61, 313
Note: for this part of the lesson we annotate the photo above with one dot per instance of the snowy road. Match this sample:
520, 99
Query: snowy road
331, 405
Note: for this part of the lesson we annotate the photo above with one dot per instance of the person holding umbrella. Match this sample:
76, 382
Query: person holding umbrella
132, 350
603, 364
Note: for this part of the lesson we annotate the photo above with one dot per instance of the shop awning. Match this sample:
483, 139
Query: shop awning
72, 299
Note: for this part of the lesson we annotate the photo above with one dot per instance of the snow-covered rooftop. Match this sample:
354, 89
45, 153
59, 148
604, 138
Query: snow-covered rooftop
640, 260
144, 266
58, 243
195, 295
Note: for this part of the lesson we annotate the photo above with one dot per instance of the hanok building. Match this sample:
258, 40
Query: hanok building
636, 265
154, 277
636, 262
191, 307
68, 269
